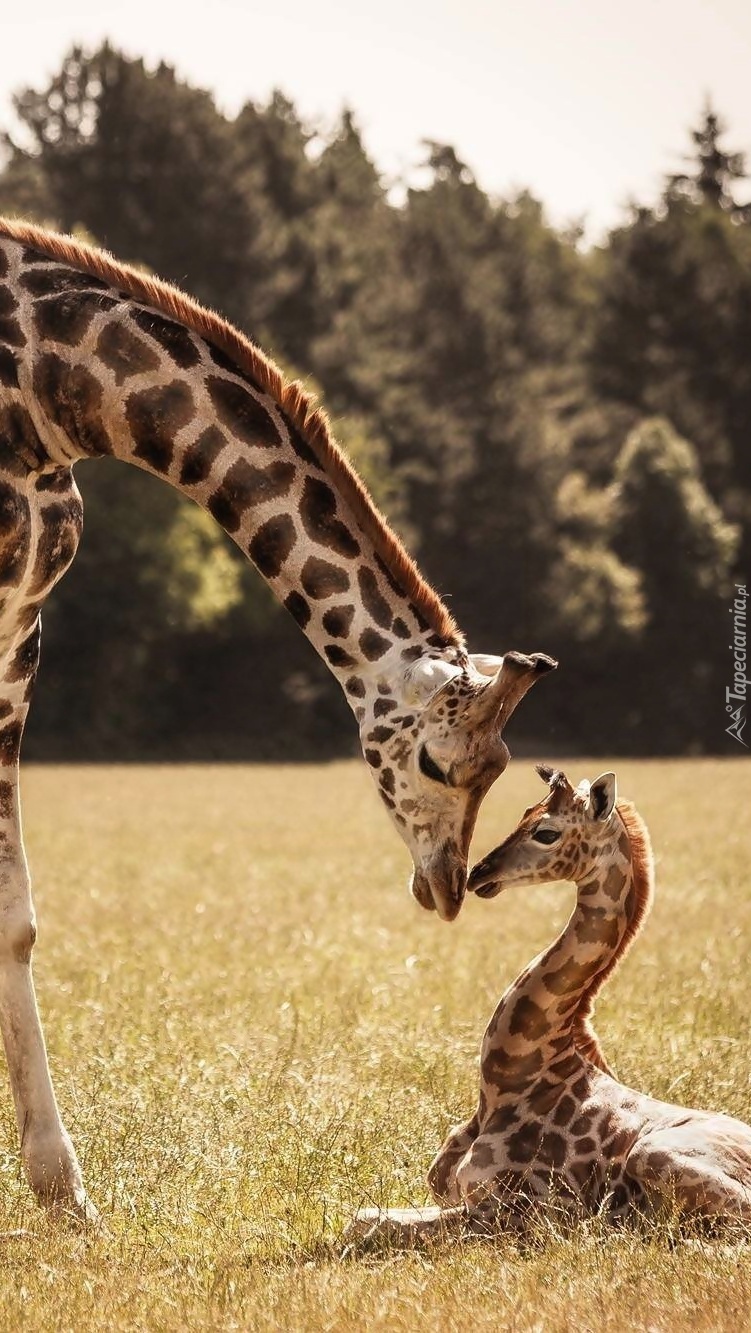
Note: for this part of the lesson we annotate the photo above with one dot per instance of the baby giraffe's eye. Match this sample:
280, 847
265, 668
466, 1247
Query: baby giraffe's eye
546, 834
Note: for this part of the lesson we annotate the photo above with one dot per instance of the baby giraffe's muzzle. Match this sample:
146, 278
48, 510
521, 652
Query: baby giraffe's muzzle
484, 880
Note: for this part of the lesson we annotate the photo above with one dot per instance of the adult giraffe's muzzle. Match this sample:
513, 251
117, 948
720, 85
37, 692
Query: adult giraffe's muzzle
440, 887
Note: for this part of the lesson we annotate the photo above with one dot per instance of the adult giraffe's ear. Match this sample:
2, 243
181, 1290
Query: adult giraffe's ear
488, 664
603, 795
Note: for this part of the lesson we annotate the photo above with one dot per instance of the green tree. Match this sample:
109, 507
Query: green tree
667, 528
672, 319
146, 164
280, 185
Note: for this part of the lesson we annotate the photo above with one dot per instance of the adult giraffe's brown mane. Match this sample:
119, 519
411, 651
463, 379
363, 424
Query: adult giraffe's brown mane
299, 407
642, 863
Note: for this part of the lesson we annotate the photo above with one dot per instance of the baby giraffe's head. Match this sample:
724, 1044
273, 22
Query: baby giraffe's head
565, 836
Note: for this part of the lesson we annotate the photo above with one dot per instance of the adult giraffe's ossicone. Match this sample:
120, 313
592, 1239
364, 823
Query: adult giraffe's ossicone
97, 360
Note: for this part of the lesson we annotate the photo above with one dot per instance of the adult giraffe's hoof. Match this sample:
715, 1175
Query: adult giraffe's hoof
79, 1213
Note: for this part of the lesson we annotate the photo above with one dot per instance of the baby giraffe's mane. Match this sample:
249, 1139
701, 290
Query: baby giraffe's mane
301, 410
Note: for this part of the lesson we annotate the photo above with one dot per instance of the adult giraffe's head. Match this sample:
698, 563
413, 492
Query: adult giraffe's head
433, 741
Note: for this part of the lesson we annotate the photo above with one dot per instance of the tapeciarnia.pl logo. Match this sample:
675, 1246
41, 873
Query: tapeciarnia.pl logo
736, 694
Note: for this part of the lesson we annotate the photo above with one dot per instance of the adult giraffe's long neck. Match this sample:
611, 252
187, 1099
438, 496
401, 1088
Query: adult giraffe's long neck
113, 362
538, 1022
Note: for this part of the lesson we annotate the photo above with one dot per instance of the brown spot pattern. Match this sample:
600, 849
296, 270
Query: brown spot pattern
124, 353
8, 368
199, 456
50, 280
174, 339
338, 620
66, 318
10, 329
7, 793
524, 1144
338, 656
272, 544
381, 734
321, 579
154, 417
613, 882
373, 644
373, 600
513, 1073
318, 514
20, 446
298, 608
71, 397
245, 486
15, 529
564, 978
383, 706
10, 743
26, 657
242, 413
57, 542
528, 1019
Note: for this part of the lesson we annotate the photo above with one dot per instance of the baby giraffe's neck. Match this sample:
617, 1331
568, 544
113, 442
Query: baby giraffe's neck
534, 1029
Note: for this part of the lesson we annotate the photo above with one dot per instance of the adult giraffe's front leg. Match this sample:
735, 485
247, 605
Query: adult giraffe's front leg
47, 1153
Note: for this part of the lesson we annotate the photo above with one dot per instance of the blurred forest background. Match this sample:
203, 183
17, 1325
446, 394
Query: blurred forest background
561, 433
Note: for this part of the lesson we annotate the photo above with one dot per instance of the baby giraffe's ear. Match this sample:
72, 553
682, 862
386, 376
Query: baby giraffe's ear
603, 795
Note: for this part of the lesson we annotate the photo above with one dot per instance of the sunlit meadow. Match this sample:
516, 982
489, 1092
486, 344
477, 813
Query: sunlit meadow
254, 1031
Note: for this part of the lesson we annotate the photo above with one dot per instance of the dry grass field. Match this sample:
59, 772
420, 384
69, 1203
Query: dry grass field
255, 1031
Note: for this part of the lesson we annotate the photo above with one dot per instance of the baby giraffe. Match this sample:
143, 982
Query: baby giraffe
553, 1127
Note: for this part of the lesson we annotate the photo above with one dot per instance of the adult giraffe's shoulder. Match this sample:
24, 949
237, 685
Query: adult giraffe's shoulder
98, 359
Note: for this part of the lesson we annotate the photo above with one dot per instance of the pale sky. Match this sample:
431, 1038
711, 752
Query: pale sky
586, 102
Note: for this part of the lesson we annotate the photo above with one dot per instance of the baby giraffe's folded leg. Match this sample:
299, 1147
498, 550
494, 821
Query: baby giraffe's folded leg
442, 1171
402, 1228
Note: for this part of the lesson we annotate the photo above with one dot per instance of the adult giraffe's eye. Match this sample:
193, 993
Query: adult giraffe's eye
430, 768
546, 835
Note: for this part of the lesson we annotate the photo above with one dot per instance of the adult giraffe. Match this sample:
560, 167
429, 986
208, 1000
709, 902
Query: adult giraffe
96, 359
